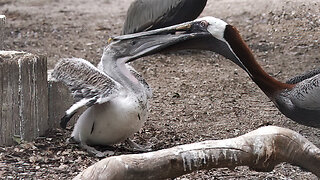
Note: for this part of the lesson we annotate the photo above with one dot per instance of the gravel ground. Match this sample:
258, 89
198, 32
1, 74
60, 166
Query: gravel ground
197, 95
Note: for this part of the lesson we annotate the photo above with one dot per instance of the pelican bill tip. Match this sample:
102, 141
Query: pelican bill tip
110, 40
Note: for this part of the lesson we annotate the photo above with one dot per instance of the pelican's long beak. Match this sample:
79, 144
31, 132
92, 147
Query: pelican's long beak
137, 45
167, 30
189, 35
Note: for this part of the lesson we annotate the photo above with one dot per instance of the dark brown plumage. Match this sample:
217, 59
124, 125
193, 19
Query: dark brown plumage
146, 15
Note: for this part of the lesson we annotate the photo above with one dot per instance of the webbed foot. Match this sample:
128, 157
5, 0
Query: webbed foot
95, 152
137, 147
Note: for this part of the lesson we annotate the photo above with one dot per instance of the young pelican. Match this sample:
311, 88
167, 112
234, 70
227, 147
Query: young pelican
116, 95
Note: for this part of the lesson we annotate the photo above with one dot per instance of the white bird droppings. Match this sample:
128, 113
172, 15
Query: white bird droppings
194, 159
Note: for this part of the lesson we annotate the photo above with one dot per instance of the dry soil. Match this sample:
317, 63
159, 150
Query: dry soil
197, 95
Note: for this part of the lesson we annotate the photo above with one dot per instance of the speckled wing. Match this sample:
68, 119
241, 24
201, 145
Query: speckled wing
304, 76
144, 14
306, 94
85, 81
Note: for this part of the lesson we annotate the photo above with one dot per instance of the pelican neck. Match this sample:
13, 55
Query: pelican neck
269, 85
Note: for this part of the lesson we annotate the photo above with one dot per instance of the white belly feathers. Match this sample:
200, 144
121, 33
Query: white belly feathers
111, 122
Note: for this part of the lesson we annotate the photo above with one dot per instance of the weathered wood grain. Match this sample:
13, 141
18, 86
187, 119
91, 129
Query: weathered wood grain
2, 23
260, 150
60, 99
24, 96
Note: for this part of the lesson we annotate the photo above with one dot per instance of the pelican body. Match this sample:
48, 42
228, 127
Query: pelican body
144, 15
298, 99
120, 107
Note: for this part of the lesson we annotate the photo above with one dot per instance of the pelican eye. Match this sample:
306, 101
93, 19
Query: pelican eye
204, 24
133, 42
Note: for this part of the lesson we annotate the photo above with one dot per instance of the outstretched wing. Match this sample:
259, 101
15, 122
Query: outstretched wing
306, 94
88, 84
145, 15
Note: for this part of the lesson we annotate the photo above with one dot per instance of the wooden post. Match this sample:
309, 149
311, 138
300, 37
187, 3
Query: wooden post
60, 99
23, 96
2, 23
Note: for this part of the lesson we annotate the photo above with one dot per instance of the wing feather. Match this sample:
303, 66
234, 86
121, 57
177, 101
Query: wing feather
306, 94
85, 80
144, 14
304, 76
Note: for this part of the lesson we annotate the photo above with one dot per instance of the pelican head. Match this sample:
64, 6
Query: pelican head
207, 33
216, 27
222, 40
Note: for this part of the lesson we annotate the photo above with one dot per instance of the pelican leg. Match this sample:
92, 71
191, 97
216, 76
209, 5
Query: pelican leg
71, 140
89, 149
92, 150
137, 147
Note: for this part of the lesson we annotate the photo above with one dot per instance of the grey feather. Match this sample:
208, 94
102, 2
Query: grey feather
304, 76
306, 94
83, 79
142, 14
145, 15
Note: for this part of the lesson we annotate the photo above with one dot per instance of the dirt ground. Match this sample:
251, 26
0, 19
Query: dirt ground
196, 95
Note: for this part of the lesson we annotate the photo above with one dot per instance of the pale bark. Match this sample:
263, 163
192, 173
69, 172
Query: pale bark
261, 150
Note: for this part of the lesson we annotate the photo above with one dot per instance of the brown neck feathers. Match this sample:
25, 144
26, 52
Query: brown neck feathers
267, 84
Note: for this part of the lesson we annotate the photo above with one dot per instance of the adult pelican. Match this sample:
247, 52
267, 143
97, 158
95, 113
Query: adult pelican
298, 99
145, 15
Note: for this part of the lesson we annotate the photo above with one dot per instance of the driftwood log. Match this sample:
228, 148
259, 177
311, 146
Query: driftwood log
261, 150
